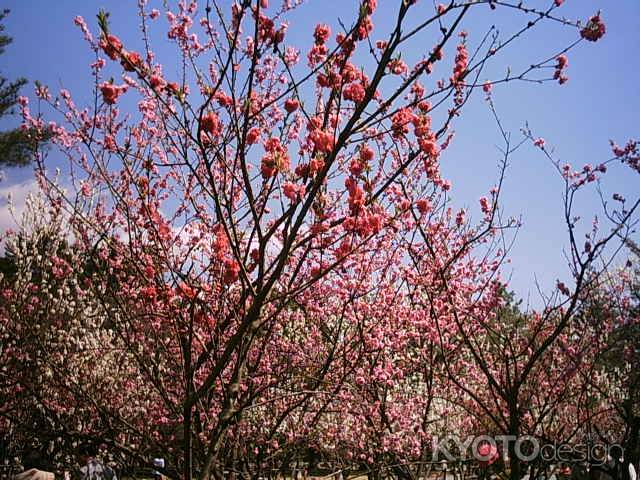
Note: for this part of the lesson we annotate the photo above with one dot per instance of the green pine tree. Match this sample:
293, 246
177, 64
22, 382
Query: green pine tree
17, 146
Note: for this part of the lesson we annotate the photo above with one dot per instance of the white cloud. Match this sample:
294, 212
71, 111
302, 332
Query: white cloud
11, 211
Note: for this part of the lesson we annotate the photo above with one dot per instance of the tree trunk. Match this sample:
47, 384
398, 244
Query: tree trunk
514, 430
632, 450
187, 469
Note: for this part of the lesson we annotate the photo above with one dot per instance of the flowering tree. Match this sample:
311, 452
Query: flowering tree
272, 240
66, 374
614, 384
524, 373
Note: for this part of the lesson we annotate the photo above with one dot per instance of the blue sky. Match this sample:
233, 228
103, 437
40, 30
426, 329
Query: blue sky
600, 102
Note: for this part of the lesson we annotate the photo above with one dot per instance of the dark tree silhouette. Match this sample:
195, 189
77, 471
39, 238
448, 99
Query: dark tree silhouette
17, 146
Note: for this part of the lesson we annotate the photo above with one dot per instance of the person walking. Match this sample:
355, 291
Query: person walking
93, 469
621, 469
34, 468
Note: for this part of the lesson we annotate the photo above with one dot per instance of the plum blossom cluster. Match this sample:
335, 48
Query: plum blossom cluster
561, 65
629, 154
594, 30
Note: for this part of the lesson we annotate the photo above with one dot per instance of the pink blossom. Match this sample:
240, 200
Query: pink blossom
322, 33
231, 271
253, 136
424, 206
292, 191
211, 124
156, 81
354, 92
111, 45
322, 140
111, 92
594, 30
397, 67
291, 105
